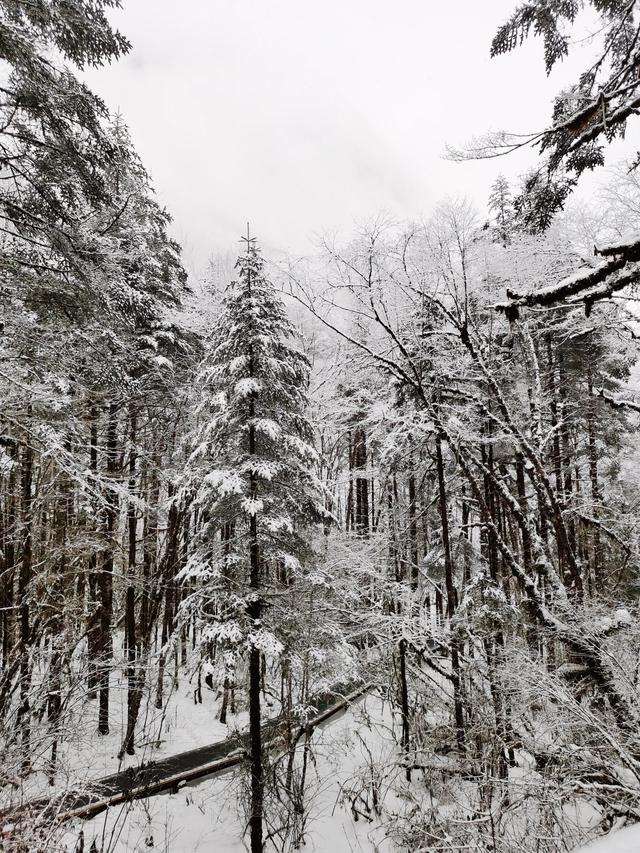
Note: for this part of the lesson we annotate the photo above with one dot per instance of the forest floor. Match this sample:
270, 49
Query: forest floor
625, 840
348, 772
85, 757
182, 735
208, 816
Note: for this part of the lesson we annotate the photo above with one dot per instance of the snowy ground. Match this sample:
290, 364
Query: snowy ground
207, 816
625, 840
85, 756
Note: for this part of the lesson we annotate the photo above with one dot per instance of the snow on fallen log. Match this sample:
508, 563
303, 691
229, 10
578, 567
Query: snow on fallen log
625, 246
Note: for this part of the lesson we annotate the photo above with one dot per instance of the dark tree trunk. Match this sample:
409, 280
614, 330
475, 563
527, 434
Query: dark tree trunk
93, 604
360, 459
255, 675
567, 473
413, 529
7, 564
168, 579
61, 519
596, 496
451, 595
349, 521
150, 579
404, 704
134, 675
24, 583
553, 408
374, 521
106, 576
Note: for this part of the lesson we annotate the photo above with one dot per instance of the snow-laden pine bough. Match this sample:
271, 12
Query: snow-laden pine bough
619, 270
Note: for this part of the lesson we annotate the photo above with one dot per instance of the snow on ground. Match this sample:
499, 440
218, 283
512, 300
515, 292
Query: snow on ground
181, 725
207, 815
625, 840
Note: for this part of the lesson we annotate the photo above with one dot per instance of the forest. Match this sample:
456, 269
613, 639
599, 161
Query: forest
333, 553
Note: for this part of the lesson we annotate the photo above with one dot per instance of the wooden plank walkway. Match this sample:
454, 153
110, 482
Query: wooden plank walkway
169, 774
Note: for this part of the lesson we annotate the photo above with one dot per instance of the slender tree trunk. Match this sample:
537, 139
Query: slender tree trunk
150, 579
255, 613
451, 595
374, 521
567, 470
413, 528
24, 592
349, 511
54, 705
553, 408
466, 535
8, 562
61, 519
106, 577
360, 459
93, 604
404, 704
596, 496
134, 676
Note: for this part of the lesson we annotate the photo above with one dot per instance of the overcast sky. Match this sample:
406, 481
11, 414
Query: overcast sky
305, 116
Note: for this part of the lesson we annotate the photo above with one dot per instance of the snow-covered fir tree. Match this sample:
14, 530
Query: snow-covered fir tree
253, 472
501, 208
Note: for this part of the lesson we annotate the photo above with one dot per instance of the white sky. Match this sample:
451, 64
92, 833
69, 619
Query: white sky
304, 116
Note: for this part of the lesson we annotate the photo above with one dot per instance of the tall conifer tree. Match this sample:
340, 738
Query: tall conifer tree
253, 472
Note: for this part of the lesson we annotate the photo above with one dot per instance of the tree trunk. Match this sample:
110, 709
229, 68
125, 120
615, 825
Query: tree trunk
24, 582
413, 529
93, 605
8, 562
134, 675
404, 704
255, 613
106, 577
596, 496
451, 595
362, 481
